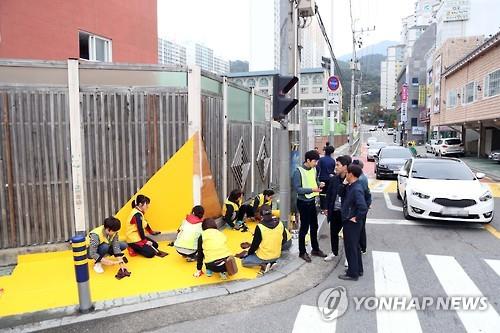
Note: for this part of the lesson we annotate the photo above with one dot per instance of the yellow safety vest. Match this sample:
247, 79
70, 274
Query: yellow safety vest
261, 201
99, 231
188, 235
236, 207
214, 245
270, 246
132, 231
308, 178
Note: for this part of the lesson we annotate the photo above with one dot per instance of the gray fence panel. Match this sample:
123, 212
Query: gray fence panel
212, 127
35, 176
262, 130
128, 136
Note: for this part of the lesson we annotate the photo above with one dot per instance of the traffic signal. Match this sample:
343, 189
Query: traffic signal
282, 105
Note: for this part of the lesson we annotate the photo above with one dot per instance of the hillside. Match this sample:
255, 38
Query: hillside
378, 48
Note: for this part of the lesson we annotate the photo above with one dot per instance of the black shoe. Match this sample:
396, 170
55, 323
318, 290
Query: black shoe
363, 251
318, 253
306, 257
347, 277
360, 273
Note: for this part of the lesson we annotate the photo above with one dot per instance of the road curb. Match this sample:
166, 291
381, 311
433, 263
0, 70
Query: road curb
69, 315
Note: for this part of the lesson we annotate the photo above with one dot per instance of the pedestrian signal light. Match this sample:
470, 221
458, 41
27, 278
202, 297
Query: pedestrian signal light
282, 105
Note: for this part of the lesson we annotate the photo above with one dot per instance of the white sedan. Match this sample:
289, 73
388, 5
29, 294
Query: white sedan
443, 189
371, 140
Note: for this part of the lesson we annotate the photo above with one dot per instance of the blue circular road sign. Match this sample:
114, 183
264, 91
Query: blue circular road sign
333, 83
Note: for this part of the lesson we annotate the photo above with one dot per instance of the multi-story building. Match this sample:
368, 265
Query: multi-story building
414, 78
312, 93
313, 45
236, 66
221, 66
200, 55
170, 53
457, 18
469, 96
58, 30
389, 70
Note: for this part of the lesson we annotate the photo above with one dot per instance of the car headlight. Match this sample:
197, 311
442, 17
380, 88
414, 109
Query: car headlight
420, 195
486, 196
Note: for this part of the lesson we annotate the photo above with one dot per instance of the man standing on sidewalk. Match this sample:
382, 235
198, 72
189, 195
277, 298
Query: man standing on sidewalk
306, 186
354, 210
334, 201
325, 169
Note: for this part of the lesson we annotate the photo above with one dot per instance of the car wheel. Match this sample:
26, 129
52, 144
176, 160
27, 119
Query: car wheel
397, 191
405, 210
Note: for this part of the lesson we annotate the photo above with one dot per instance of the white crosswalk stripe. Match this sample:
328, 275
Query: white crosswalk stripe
309, 320
390, 279
494, 264
456, 282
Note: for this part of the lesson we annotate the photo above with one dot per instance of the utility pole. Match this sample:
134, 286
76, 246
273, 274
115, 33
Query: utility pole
287, 67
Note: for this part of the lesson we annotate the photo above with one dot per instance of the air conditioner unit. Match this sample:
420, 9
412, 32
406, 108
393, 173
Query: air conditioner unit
307, 8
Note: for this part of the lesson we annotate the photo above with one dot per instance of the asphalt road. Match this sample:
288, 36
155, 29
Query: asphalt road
413, 259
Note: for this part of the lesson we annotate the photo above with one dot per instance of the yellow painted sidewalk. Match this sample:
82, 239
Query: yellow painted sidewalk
47, 280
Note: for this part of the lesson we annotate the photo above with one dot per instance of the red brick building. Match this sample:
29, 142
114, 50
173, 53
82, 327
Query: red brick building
102, 30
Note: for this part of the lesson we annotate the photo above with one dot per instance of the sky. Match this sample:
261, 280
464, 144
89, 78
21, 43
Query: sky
228, 26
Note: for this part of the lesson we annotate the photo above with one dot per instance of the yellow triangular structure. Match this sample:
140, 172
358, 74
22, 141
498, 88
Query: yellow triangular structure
170, 190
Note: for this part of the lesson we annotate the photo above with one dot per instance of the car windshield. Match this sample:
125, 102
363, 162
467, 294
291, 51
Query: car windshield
449, 170
453, 141
395, 153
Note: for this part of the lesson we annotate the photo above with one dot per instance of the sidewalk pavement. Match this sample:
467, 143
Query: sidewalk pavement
42, 289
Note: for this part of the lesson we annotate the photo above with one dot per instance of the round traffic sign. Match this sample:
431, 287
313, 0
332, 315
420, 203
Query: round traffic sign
333, 83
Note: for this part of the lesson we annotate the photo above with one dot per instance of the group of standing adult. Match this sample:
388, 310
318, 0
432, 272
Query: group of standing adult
344, 197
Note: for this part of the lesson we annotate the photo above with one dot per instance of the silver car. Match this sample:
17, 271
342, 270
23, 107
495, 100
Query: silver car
374, 149
495, 155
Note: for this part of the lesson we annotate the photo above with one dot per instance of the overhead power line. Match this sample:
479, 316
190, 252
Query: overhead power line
338, 72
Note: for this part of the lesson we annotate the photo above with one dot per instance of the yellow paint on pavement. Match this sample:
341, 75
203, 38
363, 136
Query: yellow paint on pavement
495, 189
492, 230
391, 187
47, 280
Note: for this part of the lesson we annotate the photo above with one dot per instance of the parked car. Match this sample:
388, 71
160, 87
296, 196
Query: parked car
374, 149
429, 146
373, 129
451, 146
389, 160
443, 189
371, 140
390, 131
494, 155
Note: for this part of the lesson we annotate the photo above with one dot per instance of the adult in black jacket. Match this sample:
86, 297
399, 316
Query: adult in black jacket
333, 198
354, 210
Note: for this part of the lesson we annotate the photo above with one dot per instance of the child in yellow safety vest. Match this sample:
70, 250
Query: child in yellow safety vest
268, 239
103, 241
137, 227
190, 230
233, 211
213, 250
265, 198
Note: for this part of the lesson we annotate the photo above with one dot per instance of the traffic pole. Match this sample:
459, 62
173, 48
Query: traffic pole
82, 273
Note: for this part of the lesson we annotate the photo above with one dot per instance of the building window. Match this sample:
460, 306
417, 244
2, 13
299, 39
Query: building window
414, 103
264, 91
316, 90
492, 84
304, 80
413, 122
238, 81
263, 82
469, 93
304, 90
414, 81
251, 83
451, 101
317, 79
95, 48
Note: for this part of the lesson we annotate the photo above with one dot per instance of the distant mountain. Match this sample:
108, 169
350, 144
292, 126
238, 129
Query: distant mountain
379, 48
